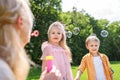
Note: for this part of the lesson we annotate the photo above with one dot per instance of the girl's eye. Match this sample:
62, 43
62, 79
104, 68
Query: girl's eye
96, 45
58, 33
53, 32
91, 45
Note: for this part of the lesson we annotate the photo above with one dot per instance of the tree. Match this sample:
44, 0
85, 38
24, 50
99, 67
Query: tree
45, 12
87, 25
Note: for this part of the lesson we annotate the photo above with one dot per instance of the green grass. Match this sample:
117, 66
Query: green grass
116, 67
36, 71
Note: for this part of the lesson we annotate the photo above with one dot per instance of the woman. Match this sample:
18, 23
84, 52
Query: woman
16, 21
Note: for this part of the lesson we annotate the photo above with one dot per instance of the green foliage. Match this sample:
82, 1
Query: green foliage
45, 12
114, 40
77, 42
34, 73
87, 25
48, 11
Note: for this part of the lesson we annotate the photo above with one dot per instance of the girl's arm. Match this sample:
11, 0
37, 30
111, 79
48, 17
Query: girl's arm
44, 71
78, 75
43, 65
43, 75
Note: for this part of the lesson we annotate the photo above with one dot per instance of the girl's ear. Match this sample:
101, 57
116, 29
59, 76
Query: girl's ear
19, 22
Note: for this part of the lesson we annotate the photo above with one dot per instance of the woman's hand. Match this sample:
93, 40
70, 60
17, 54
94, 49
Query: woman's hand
54, 74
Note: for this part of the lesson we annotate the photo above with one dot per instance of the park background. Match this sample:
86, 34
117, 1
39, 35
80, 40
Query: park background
79, 25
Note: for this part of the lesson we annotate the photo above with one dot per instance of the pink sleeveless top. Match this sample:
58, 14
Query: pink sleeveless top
60, 60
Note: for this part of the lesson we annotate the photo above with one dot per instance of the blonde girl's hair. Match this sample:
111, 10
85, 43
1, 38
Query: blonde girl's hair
63, 42
11, 48
92, 37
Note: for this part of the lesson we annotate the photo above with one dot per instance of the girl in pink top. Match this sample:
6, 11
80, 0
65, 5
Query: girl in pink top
56, 46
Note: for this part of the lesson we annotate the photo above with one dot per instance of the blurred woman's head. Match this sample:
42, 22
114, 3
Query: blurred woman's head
16, 21
17, 15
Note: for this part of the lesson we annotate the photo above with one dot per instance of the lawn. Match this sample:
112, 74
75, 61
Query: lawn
35, 72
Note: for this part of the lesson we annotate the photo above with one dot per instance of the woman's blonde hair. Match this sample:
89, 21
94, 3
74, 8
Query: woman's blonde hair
11, 48
63, 42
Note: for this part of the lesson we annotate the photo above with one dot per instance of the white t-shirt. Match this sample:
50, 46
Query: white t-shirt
99, 68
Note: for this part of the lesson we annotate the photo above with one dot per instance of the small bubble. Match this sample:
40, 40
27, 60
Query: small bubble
76, 31
104, 33
69, 34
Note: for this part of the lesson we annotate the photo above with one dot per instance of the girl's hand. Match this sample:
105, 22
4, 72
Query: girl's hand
54, 74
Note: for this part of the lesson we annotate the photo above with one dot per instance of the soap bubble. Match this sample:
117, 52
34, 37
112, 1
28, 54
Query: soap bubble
76, 31
104, 33
69, 34
35, 33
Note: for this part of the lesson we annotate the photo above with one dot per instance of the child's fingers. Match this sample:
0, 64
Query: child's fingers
55, 72
58, 73
53, 69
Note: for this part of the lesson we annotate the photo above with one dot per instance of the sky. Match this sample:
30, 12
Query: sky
99, 9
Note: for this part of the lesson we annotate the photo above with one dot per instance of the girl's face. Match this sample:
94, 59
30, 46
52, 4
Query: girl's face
55, 35
93, 47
